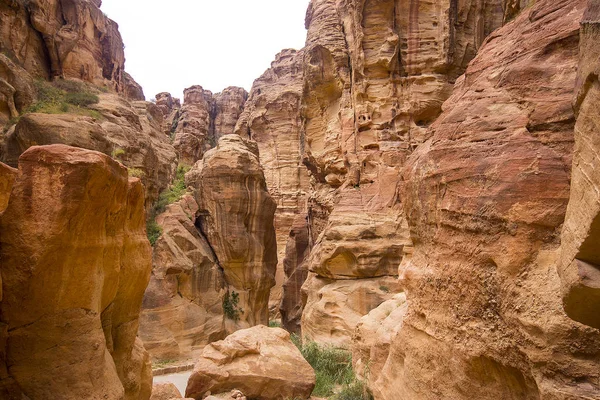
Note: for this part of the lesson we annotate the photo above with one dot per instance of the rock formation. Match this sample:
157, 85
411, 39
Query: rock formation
485, 198
182, 309
67, 39
235, 214
127, 131
261, 362
580, 255
73, 279
204, 118
165, 391
272, 119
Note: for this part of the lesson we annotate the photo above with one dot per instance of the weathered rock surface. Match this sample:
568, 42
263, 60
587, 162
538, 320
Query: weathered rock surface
580, 254
75, 261
235, 214
204, 118
229, 105
128, 131
374, 334
69, 39
182, 310
169, 107
272, 119
485, 198
261, 362
165, 391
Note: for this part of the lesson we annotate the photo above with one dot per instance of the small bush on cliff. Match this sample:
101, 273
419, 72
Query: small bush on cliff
174, 192
333, 370
82, 99
231, 308
153, 230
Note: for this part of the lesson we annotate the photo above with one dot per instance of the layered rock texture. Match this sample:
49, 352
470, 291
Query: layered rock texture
485, 198
128, 131
235, 213
261, 362
66, 39
580, 253
214, 263
204, 118
272, 119
75, 261
375, 77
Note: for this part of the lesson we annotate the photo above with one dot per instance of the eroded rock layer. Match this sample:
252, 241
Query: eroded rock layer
235, 214
204, 118
580, 252
75, 261
485, 198
272, 119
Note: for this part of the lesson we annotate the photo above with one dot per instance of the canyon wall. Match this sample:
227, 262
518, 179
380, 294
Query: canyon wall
580, 256
375, 77
485, 198
75, 262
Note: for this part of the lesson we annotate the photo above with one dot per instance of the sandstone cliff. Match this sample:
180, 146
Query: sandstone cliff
375, 77
485, 198
204, 118
580, 255
75, 263
271, 117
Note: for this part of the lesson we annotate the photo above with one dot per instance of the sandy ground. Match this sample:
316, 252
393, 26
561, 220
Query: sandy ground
179, 379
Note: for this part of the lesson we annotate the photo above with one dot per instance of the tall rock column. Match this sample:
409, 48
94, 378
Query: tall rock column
272, 119
580, 258
75, 261
235, 213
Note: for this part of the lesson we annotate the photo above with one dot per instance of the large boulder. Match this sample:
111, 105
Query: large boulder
75, 261
261, 362
165, 391
235, 214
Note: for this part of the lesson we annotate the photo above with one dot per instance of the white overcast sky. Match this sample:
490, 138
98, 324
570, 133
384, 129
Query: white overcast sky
174, 44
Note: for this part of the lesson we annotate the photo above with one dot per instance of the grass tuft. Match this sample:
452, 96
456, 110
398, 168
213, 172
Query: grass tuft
333, 370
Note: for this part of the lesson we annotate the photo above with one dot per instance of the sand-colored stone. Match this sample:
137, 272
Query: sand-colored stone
261, 362
235, 214
75, 261
165, 391
68, 39
580, 251
204, 118
485, 198
182, 310
334, 307
126, 131
272, 119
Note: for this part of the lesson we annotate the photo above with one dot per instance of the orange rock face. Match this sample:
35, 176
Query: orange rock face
485, 198
75, 261
204, 118
580, 256
131, 132
235, 213
261, 362
70, 39
272, 119
182, 310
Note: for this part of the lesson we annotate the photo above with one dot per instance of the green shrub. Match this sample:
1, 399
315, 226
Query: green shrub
118, 153
82, 99
153, 230
231, 308
274, 324
136, 173
174, 192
